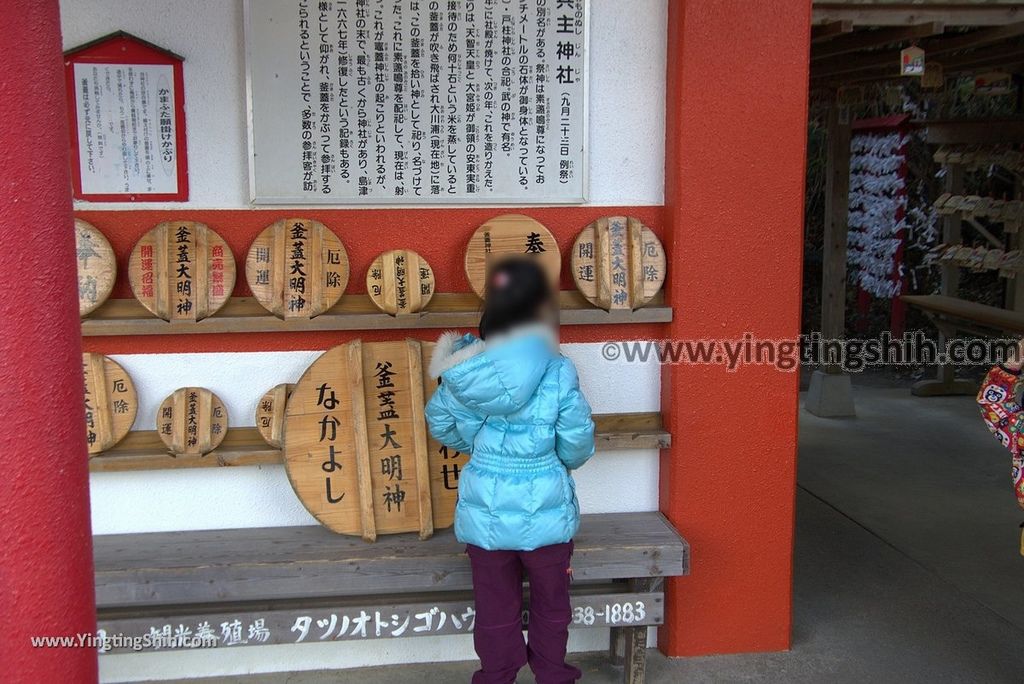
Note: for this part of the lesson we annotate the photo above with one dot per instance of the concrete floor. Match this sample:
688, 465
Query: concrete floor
906, 565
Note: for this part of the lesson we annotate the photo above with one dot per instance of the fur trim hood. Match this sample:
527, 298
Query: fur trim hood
453, 348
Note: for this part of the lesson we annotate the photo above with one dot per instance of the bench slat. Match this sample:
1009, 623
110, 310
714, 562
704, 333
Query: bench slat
368, 621
211, 566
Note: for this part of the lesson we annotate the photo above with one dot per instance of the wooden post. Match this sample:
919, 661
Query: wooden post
830, 394
946, 382
1015, 286
634, 639
616, 645
837, 212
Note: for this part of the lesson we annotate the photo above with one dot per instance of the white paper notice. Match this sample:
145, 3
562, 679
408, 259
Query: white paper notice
126, 128
417, 101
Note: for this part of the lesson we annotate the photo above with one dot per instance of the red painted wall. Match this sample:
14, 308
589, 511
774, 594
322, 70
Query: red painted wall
735, 155
46, 575
735, 145
439, 235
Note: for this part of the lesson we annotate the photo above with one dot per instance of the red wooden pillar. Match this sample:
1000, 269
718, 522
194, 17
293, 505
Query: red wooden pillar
736, 133
46, 571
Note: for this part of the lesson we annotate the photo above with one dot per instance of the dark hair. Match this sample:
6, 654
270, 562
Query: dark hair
517, 291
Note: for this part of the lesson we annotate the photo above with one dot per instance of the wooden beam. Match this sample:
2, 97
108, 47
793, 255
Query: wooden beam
904, 14
833, 28
353, 312
277, 621
973, 132
936, 47
243, 446
972, 40
982, 59
862, 40
997, 57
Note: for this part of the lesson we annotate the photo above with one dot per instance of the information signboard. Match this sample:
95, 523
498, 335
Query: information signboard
417, 101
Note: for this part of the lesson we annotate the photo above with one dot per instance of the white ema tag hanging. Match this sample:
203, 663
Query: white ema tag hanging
912, 61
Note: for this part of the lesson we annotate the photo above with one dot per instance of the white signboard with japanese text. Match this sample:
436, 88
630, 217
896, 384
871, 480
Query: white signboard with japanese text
127, 138
417, 101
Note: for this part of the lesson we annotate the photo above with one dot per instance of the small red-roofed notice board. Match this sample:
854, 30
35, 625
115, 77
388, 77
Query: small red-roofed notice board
126, 113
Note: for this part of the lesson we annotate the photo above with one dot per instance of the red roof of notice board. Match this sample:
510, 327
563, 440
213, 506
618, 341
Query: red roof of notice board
880, 122
125, 36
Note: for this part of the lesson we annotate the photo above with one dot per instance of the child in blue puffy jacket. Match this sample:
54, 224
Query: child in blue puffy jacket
514, 403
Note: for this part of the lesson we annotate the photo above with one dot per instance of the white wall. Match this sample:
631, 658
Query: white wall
627, 92
627, 76
256, 496
260, 496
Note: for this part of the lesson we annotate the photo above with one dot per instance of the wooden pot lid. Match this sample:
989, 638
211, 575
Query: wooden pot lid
270, 413
400, 282
110, 402
297, 268
192, 420
97, 267
357, 452
510, 235
618, 263
182, 271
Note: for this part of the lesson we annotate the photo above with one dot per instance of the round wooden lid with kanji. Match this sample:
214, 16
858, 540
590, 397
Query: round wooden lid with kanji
400, 281
618, 263
182, 271
357, 451
297, 268
193, 420
97, 267
510, 235
110, 402
270, 412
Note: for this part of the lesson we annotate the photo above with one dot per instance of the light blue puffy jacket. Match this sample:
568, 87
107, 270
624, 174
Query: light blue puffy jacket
515, 405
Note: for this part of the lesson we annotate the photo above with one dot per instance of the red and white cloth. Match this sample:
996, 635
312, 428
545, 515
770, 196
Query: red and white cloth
1005, 418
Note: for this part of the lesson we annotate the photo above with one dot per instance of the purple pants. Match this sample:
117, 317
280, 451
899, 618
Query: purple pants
498, 631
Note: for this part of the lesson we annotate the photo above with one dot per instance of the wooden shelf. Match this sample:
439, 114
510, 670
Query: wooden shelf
353, 312
143, 450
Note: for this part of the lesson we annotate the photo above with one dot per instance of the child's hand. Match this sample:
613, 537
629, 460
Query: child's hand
1015, 363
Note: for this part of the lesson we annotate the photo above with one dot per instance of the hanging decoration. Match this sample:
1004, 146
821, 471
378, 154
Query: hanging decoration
182, 271
618, 263
110, 402
510, 235
97, 267
400, 281
192, 421
879, 216
126, 115
878, 211
356, 447
297, 268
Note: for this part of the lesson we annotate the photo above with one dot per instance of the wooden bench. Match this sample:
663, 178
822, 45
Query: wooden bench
306, 585
952, 314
